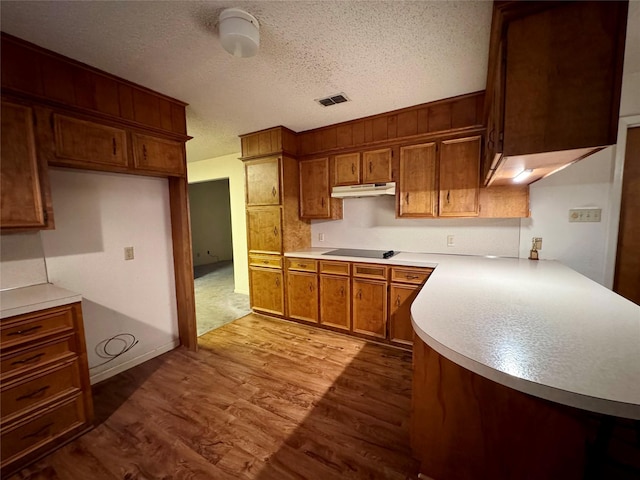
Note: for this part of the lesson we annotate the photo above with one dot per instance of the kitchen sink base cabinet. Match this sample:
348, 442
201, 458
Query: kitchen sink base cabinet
44, 384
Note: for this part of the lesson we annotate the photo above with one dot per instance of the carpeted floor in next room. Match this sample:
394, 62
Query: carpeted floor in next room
216, 302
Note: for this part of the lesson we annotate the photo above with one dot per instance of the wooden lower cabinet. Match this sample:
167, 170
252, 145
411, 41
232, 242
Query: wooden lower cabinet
370, 307
44, 384
302, 295
335, 301
400, 298
267, 290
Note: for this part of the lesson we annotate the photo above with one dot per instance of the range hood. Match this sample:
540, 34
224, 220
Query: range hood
366, 190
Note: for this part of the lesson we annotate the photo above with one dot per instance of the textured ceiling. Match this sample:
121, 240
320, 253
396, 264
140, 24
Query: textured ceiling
383, 54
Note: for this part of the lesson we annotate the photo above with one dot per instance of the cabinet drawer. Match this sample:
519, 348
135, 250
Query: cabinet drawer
335, 268
18, 397
364, 270
22, 361
302, 264
27, 436
271, 261
415, 276
28, 327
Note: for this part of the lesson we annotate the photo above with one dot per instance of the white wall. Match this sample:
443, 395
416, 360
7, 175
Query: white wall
21, 260
97, 215
581, 246
210, 210
230, 167
370, 223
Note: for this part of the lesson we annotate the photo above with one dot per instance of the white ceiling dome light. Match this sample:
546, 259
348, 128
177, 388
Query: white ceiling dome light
239, 32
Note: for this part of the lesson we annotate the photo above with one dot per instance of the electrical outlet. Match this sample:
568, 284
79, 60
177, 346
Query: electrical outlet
128, 253
321, 237
450, 242
538, 242
585, 215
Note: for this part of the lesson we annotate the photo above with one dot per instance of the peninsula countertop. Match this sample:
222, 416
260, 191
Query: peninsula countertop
535, 326
33, 298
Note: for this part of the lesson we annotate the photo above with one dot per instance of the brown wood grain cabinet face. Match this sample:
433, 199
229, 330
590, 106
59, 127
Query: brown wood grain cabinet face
302, 295
315, 194
158, 154
79, 142
369, 299
400, 299
264, 230
45, 391
23, 200
377, 166
267, 290
263, 181
459, 177
554, 79
347, 169
417, 189
335, 301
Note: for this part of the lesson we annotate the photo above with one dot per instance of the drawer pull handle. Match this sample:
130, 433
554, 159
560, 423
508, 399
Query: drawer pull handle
42, 432
302, 265
266, 262
28, 330
311, 287
113, 144
353, 168
448, 196
342, 291
370, 167
398, 301
322, 202
144, 152
34, 394
274, 191
359, 294
33, 358
406, 198
412, 277
277, 282
275, 231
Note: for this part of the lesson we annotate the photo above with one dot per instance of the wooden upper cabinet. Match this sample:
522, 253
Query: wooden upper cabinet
264, 230
268, 142
377, 166
22, 195
158, 154
459, 177
79, 142
263, 181
347, 169
314, 189
417, 192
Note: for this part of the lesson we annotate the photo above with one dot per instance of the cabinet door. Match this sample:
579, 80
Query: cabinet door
347, 169
264, 230
335, 301
22, 204
377, 166
302, 295
263, 181
459, 177
370, 307
158, 154
401, 298
267, 290
79, 143
314, 189
418, 196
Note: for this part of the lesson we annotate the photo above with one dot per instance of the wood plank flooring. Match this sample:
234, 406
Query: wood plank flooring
262, 399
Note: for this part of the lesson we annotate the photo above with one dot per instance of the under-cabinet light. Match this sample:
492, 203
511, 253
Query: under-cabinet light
523, 175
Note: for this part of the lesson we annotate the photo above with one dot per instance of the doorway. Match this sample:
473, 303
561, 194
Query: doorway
217, 303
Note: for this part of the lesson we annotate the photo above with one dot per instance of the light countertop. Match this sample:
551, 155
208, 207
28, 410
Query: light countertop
36, 297
538, 327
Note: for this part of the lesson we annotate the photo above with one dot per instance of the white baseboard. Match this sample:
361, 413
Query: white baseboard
241, 291
99, 377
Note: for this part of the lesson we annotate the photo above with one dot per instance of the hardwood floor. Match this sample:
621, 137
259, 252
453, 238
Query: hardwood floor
262, 399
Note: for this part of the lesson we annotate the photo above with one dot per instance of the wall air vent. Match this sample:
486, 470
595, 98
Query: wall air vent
332, 100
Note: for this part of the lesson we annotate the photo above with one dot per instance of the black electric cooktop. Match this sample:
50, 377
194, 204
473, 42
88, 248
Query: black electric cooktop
354, 252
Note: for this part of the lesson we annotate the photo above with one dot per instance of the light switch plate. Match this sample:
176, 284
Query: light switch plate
128, 253
585, 215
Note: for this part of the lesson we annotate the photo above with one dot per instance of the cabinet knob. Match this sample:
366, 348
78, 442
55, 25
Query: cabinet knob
274, 191
322, 202
353, 168
448, 196
398, 301
342, 291
277, 282
406, 198
275, 231
370, 167
359, 294
311, 287
113, 145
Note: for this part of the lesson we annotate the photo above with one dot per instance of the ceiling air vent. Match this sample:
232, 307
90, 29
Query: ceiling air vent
332, 100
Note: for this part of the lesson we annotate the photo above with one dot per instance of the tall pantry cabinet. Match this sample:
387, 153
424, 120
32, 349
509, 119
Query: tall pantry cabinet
273, 224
